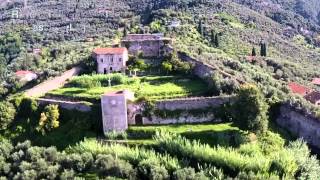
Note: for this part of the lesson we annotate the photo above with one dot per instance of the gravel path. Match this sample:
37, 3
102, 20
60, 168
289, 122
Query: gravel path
52, 84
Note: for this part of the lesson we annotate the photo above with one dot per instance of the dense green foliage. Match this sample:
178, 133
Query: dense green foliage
49, 119
7, 114
250, 109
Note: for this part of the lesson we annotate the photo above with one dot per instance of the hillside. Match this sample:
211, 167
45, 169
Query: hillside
168, 122
66, 32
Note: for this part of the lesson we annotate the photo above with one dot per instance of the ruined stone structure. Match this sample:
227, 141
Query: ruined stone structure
185, 106
111, 59
114, 110
151, 45
300, 124
79, 106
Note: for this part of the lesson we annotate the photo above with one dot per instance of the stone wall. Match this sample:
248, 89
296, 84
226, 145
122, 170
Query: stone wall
148, 48
200, 69
302, 125
193, 103
184, 106
79, 106
204, 70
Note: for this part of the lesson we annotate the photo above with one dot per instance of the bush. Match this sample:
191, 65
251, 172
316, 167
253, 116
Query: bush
308, 166
250, 110
107, 165
49, 119
113, 135
7, 114
189, 174
227, 159
98, 80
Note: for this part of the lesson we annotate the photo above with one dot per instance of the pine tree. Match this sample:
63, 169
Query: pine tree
253, 52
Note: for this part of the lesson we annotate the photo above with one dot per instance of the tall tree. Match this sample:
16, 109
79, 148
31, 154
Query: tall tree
216, 40
212, 37
250, 109
200, 27
253, 53
263, 49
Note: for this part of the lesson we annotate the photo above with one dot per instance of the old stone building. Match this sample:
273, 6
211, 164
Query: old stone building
114, 110
151, 45
110, 59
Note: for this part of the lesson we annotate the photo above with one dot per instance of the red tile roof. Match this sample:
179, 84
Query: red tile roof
23, 73
313, 97
316, 81
110, 50
299, 89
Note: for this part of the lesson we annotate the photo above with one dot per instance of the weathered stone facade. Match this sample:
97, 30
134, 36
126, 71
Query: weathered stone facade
114, 110
302, 125
193, 103
151, 45
110, 59
185, 106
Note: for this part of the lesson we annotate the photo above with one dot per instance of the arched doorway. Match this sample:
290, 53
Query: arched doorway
138, 119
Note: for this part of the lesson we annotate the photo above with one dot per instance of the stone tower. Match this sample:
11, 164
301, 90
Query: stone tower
114, 110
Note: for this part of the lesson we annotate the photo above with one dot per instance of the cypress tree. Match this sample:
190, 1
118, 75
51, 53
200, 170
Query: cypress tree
253, 52
200, 28
125, 32
212, 37
263, 51
216, 40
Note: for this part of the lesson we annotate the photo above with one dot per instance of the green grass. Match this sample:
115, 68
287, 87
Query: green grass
152, 87
223, 134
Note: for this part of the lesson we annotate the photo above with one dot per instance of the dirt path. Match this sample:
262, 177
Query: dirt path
52, 84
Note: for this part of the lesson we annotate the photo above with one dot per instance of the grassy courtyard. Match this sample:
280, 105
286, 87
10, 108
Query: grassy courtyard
151, 87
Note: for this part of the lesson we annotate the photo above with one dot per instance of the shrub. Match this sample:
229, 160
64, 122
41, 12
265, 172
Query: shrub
152, 169
113, 135
228, 159
49, 119
189, 174
308, 166
7, 114
27, 107
109, 166
250, 109
98, 80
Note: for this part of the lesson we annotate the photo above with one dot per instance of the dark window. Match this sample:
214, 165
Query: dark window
101, 60
138, 119
110, 68
120, 59
105, 71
